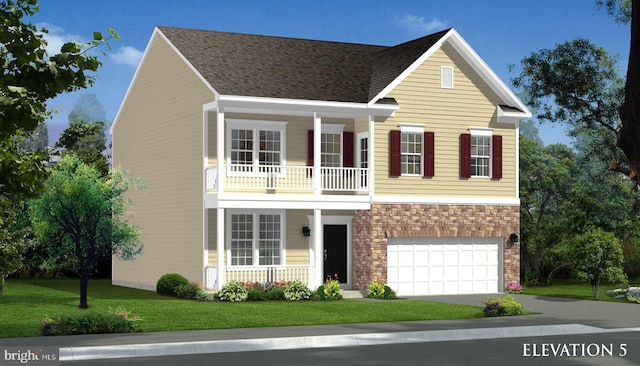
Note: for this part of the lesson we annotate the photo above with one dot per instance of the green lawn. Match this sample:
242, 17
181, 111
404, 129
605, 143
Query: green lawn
27, 301
573, 289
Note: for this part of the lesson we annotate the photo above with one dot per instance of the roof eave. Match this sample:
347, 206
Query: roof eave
301, 107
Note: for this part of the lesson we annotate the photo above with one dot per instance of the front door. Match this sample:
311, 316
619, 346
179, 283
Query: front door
335, 252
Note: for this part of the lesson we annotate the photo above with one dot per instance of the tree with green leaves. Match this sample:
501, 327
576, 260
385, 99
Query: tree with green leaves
80, 218
545, 179
596, 257
29, 79
87, 141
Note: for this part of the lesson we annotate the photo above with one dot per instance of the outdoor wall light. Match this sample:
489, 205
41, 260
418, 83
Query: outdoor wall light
306, 231
513, 238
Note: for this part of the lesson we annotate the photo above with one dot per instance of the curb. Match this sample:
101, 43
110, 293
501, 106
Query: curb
283, 343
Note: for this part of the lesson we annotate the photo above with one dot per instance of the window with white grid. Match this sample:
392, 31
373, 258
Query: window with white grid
269, 244
253, 146
269, 153
480, 156
411, 153
242, 147
330, 149
241, 239
255, 237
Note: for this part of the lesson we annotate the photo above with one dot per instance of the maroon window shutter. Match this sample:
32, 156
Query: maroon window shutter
429, 159
496, 157
310, 148
465, 155
347, 146
395, 166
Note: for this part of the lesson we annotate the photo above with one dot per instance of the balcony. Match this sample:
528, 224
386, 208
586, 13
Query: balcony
288, 178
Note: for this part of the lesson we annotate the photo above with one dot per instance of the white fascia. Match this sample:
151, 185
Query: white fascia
301, 107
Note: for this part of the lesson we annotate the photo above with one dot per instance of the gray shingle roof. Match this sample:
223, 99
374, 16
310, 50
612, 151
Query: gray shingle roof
278, 67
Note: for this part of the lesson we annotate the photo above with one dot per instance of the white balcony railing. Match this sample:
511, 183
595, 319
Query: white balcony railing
263, 274
288, 178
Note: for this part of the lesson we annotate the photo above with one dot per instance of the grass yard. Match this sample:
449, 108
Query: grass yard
27, 301
573, 289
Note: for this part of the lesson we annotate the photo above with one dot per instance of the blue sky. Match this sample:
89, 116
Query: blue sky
501, 31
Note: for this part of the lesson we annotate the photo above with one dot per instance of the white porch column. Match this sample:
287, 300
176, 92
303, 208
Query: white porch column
370, 157
222, 171
318, 248
317, 130
220, 229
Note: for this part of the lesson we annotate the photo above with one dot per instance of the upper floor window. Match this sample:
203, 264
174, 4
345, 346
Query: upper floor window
480, 154
411, 152
253, 146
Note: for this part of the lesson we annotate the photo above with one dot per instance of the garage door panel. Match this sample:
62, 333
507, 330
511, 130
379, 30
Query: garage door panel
425, 266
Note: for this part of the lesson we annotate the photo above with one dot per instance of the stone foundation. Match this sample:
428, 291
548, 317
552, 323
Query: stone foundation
373, 227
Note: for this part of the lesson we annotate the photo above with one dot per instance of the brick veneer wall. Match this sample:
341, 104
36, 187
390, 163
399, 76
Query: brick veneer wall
373, 227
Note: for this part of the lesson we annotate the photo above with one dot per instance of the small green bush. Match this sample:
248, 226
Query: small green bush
188, 291
275, 293
506, 306
233, 291
254, 294
203, 295
376, 290
389, 294
168, 283
296, 291
332, 290
91, 322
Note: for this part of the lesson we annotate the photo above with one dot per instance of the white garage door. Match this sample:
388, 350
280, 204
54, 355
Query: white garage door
435, 266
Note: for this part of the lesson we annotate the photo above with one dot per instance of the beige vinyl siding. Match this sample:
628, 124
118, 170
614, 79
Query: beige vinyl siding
158, 137
448, 113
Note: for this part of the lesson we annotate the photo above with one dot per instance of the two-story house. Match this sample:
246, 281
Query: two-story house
275, 159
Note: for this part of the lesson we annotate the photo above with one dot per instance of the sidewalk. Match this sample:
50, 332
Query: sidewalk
557, 316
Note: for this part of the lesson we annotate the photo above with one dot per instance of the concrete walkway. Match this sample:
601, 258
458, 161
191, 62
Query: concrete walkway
557, 317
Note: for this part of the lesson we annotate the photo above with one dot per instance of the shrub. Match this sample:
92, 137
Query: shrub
254, 294
203, 295
514, 288
168, 283
506, 306
91, 322
296, 291
331, 289
531, 279
275, 293
376, 290
187, 291
233, 291
389, 294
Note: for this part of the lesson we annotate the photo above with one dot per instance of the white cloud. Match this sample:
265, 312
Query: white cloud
418, 24
127, 55
57, 37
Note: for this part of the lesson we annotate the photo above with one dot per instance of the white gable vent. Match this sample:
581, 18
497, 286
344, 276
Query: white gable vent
446, 77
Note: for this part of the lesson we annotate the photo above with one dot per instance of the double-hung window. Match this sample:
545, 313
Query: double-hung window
411, 153
480, 156
255, 146
256, 238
